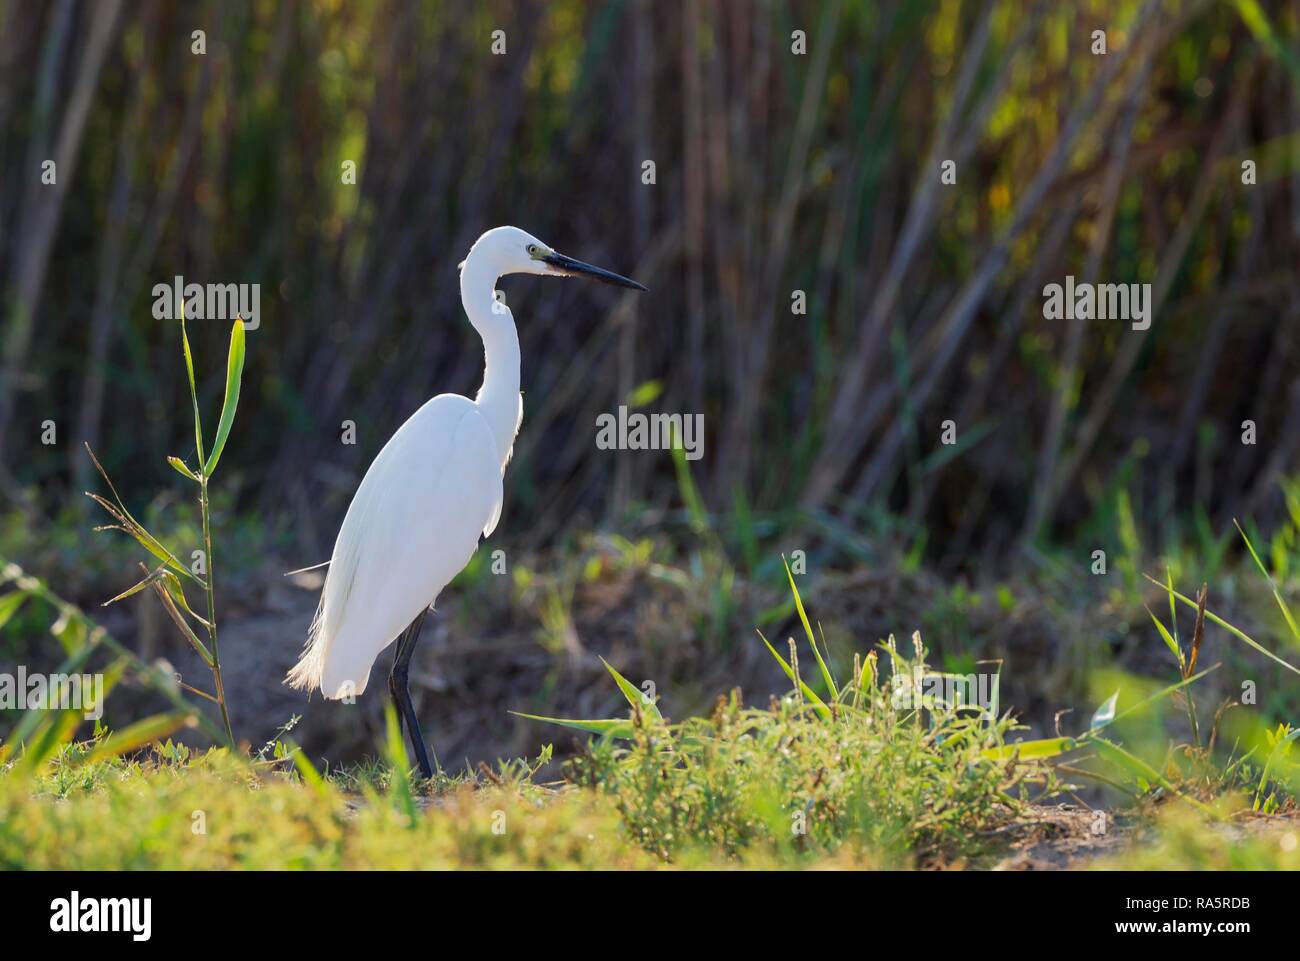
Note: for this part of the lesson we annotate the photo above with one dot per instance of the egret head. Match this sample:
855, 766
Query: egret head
510, 250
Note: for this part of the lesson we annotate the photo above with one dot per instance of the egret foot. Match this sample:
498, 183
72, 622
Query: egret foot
399, 686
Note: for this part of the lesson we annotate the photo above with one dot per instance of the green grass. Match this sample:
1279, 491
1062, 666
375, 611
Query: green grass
840, 771
788, 784
773, 787
215, 812
849, 776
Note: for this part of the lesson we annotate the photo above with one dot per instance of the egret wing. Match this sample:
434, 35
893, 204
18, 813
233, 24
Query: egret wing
413, 524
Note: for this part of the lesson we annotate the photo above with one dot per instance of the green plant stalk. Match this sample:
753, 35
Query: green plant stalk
1183, 668
1191, 718
157, 680
212, 609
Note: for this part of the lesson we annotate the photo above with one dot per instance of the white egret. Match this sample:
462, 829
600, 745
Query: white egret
429, 495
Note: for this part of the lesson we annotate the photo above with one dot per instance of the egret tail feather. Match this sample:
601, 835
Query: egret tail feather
306, 674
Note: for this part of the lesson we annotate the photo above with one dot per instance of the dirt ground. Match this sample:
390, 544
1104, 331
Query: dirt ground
1061, 837
1070, 836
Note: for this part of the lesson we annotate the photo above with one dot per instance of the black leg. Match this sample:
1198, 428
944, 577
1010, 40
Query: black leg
399, 686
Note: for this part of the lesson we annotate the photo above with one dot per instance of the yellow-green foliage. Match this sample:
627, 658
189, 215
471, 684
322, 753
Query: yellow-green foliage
1183, 842
131, 816
788, 782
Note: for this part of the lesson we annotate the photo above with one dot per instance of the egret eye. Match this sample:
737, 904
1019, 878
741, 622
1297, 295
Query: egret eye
532, 250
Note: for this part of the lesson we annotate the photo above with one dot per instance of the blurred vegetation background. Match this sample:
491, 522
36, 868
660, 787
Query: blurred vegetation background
775, 172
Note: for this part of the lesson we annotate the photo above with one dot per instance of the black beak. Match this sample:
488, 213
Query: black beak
576, 268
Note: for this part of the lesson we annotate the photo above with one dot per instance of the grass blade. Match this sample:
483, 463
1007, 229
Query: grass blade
137, 735
1282, 605
400, 764
117, 510
53, 731
32, 719
234, 375
1041, 748
1235, 631
9, 605
1138, 766
818, 704
186, 631
194, 393
1268, 765
1157, 696
803, 617
686, 486
181, 469
1168, 638
633, 694
610, 728
306, 770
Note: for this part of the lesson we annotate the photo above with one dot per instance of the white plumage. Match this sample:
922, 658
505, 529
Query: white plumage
413, 525
434, 489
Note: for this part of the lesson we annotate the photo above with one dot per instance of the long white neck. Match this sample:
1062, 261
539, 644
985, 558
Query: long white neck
498, 398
